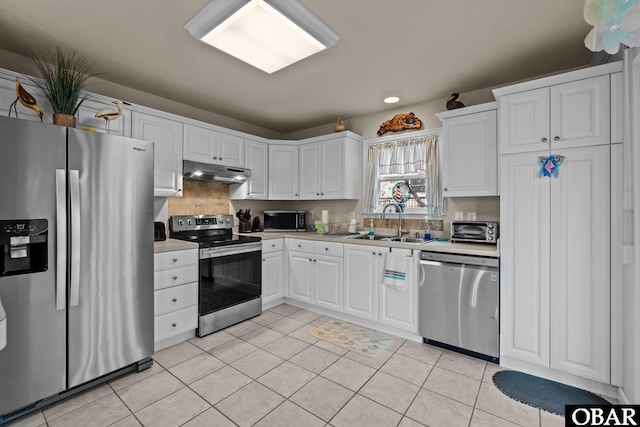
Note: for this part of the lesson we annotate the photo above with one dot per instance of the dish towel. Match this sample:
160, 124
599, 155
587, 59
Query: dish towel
395, 270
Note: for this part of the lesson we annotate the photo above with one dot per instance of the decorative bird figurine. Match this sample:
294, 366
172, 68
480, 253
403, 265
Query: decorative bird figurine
25, 99
340, 126
452, 104
109, 114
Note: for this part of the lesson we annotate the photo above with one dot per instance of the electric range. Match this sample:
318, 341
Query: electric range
230, 270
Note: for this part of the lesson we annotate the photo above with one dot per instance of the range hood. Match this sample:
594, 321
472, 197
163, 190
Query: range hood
214, 173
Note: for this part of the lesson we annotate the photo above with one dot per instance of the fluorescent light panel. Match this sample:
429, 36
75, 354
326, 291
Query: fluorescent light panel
268, 34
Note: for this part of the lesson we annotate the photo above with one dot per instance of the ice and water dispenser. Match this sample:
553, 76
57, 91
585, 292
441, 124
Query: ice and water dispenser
24, 246
24, 251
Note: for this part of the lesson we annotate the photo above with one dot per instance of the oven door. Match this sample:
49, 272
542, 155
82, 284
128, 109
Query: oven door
229, 275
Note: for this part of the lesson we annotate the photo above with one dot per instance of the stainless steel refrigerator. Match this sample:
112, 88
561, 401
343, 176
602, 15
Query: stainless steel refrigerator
76, 270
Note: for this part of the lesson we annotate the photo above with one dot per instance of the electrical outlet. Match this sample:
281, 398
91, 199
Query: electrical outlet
458, 216
471, 216
352, 215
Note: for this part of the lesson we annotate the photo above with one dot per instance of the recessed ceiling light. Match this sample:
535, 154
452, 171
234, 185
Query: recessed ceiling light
391, 99
268, 34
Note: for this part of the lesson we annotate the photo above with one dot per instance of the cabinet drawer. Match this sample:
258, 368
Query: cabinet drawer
176, 276
272, 245
173, 259
328, 248
175, 323
175, 298
297, 245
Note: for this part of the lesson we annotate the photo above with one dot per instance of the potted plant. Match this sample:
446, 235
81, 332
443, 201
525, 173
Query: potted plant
63, 81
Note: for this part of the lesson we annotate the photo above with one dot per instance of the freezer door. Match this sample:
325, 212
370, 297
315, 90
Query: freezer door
459, 306
111, 275
32, 365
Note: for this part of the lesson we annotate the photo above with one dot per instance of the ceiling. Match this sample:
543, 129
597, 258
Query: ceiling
419, 50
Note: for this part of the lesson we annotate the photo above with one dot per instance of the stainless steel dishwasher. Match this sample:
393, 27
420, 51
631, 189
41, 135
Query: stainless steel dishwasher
458, 297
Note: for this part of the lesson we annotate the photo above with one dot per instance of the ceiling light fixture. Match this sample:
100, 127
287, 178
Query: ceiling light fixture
391, 99
268, 34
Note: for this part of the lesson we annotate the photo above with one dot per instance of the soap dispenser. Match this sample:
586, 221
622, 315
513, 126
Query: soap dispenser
372, 230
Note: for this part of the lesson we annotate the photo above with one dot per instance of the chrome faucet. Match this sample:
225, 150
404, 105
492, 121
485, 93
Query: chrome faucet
399, 210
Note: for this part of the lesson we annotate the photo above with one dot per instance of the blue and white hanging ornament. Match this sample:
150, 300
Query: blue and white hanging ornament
549, 165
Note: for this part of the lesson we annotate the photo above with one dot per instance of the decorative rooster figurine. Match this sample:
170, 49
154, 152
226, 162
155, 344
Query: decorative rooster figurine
25, 99
452, 104
109, 114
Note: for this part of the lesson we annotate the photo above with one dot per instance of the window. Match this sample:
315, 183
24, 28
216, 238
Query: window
412, 161
416, 181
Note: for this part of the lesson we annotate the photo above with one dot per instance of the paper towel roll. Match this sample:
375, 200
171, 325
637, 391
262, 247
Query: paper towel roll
325, 217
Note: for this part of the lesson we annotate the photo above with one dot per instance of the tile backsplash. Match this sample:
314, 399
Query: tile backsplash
200, 198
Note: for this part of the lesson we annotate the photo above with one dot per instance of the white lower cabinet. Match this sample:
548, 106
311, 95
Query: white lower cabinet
363, 265
398, 303
175, 296
316, 273
272, 270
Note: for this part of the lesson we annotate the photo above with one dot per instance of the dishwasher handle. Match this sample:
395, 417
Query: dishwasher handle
457, 265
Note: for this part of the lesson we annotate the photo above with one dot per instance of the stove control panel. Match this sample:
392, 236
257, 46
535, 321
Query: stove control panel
200, 222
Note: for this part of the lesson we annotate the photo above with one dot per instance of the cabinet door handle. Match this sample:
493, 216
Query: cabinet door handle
309, 259
175, 300
315, 260
273, 246
317, 194
544, 140
263, 260
556, 138
299, 246
175, 260
326, 249
379, 253
373, 253
174, 324
322, 194
175, 277
296, 194
215, 158
445, 189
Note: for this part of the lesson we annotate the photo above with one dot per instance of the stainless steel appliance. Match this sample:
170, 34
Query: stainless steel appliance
284, 220
475, 231
230, 286
458, 297
214, 173
76, 276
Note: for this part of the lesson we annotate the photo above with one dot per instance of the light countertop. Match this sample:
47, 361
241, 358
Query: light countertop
173, 245
480, 249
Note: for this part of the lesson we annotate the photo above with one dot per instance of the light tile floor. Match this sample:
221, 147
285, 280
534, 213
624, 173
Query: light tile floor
268, 371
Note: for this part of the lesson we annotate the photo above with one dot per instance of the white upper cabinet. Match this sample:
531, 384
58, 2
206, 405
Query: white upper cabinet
167, 151
256, 158
283, 172
572, 114
212, 147
329, 167
468, 146
524, 121
580, 113
310, 164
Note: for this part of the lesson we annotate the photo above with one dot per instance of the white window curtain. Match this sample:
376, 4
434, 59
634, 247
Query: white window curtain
403, 157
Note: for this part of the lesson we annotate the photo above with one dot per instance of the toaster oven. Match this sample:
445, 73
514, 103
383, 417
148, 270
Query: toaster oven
475, 231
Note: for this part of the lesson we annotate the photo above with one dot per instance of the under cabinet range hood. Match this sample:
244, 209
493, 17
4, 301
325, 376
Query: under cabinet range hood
214, 173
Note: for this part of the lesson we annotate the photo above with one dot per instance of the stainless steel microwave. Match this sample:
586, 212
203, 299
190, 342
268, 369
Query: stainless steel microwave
475, 231
284, 220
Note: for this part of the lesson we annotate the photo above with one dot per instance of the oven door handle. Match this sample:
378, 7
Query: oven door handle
230, 250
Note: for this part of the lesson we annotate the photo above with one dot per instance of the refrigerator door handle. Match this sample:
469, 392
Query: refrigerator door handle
61, 239
74, 187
